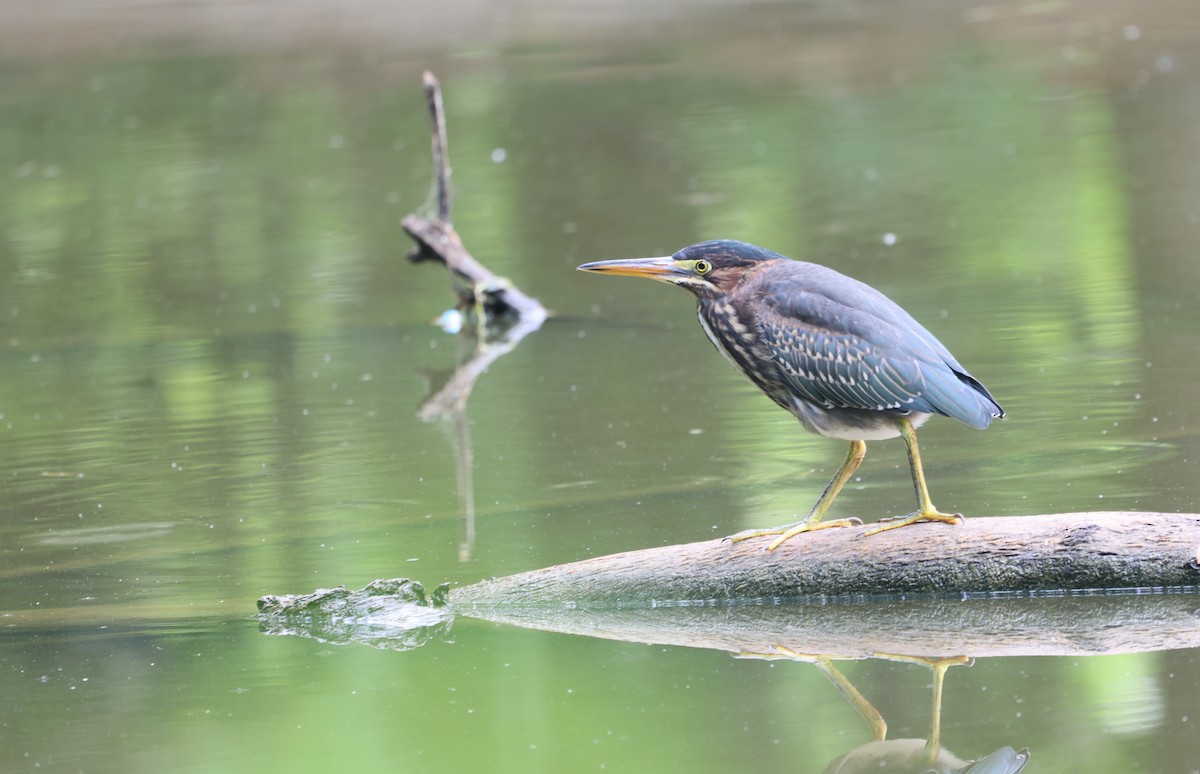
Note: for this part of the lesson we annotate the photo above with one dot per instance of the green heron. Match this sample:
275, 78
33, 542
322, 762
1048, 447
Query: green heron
843, 358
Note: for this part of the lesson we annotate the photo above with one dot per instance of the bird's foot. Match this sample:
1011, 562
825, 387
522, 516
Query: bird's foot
781, 653
788, 531
895, 522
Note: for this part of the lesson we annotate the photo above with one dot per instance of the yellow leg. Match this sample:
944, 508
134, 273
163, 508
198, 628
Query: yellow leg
934, 743
938, 667
864, 708
925, 510
854, 458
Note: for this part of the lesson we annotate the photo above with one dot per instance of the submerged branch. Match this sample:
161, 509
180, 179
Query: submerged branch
488, 295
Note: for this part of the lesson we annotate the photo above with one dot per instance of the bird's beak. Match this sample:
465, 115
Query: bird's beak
661, 269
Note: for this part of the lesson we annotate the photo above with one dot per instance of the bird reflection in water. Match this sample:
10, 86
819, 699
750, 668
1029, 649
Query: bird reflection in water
905, 756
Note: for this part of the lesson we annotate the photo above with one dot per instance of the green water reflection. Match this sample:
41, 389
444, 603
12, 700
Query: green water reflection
212, 356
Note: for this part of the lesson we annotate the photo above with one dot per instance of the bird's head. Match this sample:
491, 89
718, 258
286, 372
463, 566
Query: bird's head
706, 269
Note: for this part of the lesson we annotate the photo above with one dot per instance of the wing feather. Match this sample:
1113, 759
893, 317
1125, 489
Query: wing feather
841, 344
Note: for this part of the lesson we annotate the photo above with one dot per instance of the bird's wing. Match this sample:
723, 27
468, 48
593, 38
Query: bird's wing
842, 356
1006, 760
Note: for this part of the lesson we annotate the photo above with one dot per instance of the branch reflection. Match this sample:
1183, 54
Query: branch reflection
479, 343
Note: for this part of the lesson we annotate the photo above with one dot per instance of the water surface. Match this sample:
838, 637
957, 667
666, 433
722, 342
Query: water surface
213, 355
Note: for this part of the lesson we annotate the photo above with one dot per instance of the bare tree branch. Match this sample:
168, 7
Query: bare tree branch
488, 295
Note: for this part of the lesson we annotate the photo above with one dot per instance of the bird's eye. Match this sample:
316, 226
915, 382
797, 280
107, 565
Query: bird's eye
703, 267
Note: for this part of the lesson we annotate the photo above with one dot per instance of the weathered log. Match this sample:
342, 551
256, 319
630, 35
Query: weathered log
1072, 551
1065, 584
398, 614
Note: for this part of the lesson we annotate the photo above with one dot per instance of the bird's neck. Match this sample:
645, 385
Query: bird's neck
713, 306
725, 325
